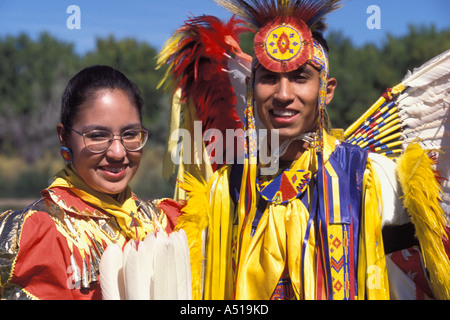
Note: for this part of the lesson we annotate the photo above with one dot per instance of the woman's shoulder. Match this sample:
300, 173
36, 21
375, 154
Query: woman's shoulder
11, 221
165, 211
38, 213
18, 229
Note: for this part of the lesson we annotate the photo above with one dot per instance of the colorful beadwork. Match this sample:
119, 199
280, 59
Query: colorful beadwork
285, 187
66, 154
284, 45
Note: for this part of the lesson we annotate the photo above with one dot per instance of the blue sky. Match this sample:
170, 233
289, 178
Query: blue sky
153, 21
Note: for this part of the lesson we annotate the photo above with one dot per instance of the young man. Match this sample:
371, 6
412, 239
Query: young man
311, 230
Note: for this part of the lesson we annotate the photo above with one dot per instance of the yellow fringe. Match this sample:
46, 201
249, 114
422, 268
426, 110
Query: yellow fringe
373, 283
218, 267
422, 195
193, 221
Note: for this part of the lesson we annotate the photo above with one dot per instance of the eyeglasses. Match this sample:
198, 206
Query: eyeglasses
98, 141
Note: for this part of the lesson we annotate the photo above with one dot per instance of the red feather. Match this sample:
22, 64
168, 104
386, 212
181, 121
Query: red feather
197, 67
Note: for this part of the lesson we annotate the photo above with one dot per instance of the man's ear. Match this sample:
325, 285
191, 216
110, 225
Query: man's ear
331, 86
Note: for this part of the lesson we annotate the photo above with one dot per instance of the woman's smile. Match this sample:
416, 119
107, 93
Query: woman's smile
115, 172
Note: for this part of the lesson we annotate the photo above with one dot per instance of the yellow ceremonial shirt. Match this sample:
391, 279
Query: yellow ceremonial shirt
239, 265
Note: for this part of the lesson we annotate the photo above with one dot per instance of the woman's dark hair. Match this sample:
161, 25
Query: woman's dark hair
87, 82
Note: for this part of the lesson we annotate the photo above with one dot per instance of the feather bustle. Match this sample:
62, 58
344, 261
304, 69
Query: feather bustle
422, 195
159, 281
428, 72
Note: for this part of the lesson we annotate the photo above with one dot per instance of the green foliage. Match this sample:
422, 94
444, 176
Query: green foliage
33, 75
246, 42
27, 64
22, 180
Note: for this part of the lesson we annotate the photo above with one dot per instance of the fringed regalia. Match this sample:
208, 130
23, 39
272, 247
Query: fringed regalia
332, 224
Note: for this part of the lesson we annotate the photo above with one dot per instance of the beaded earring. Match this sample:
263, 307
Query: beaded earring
66, 154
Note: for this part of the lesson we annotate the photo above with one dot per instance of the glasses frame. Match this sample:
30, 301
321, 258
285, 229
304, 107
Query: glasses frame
147, 132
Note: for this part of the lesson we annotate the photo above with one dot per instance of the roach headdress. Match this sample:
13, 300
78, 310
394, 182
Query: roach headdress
287, 32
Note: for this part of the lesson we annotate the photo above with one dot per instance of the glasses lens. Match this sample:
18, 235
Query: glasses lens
98, 140
134, 140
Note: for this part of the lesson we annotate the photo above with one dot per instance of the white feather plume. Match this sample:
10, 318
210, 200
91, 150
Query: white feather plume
171, 271
157, 268
134, 271
159, 283
111, 273
187, 263
238, 74
182, 263
430, 71
150, 240
411, 95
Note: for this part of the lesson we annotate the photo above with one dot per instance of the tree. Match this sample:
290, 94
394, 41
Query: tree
33, 76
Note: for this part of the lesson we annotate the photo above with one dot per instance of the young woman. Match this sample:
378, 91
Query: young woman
52, 249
